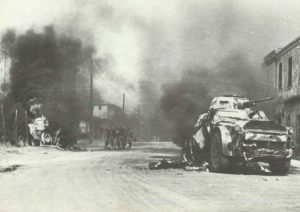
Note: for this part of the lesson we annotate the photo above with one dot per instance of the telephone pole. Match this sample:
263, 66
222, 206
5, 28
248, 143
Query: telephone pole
3, 122
123, 108
138, 130
91, 128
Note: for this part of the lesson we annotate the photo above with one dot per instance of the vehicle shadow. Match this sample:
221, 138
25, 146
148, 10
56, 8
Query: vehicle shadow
249, 169
294, 170
258, 169
253, 168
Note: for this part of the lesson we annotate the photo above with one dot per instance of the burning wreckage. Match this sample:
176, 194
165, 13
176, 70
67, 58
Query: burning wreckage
232, 133
42, 132
43, 135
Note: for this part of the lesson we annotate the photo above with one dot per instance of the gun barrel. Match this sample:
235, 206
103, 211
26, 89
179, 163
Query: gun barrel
262, 100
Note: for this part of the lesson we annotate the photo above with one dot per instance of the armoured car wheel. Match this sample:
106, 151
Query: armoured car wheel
218, 162
46, 138
280, 167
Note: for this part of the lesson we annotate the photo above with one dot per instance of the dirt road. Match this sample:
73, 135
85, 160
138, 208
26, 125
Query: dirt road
52, 180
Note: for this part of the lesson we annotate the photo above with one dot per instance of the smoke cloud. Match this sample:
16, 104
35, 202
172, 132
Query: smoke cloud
148, 48
182, 102
43, 71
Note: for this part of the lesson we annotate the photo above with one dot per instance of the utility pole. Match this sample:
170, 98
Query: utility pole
91, 129
123, 108
26, 127
16, 127
3, 123
138, 130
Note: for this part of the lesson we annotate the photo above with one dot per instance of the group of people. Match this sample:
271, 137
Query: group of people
118, 138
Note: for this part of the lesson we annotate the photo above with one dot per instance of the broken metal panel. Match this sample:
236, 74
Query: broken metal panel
199, 138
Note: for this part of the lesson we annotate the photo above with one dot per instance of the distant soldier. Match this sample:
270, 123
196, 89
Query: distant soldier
108, 137
115, 138
123, 137
130, 138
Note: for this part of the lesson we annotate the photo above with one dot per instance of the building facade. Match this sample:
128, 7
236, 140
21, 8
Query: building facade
104, 116
283, 69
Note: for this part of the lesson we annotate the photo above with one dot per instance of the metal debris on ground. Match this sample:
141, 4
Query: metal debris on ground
199, 167
169, 164
245, 168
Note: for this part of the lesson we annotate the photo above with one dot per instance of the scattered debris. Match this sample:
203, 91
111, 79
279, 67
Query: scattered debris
242, 168
13, 151
10, 168
165, 164
272, 179
168, 164
200, 167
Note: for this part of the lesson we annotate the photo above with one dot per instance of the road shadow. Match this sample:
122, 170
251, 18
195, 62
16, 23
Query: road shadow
253, 168
10, 168
256, 168
294, 170
169, 157
161, 151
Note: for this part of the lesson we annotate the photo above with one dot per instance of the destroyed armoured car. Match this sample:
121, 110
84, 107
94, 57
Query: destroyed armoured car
231, 132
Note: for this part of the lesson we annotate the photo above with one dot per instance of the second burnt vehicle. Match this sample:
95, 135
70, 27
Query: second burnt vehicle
232, 132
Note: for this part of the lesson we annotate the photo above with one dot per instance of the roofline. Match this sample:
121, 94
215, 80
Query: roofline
275, 54
288, 46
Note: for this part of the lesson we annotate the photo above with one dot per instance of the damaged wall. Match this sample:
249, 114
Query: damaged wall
285, 64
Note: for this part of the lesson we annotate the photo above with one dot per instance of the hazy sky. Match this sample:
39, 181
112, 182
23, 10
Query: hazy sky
156, 40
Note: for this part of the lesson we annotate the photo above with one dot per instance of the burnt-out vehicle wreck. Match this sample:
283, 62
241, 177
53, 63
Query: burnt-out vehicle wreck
49, 125
231, 132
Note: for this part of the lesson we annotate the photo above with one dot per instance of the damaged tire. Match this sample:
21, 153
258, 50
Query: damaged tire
218, 162
280, 167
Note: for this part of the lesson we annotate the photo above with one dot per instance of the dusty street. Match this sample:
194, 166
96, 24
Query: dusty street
52, 180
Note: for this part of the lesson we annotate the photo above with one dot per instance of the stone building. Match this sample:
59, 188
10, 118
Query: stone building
283, 69
104, 116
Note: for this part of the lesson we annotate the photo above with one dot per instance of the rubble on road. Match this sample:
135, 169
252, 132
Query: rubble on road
200, 167
243, 168
9, 168
169, 164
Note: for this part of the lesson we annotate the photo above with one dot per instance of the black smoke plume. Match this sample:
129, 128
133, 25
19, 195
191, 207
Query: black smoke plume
182, 102
44, 69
